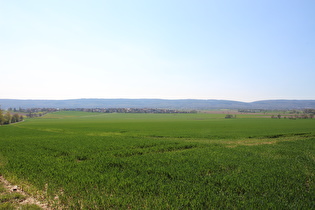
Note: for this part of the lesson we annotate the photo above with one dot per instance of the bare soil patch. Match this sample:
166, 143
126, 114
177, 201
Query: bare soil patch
17, 197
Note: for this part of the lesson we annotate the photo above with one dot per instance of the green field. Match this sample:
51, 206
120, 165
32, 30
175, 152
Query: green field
162, 161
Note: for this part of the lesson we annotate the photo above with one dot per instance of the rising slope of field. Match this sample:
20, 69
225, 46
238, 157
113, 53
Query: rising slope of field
97, 160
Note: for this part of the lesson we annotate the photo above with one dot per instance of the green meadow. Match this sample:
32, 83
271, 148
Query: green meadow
82, 160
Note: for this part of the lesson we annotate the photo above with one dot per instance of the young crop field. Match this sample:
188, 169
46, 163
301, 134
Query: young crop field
82, 160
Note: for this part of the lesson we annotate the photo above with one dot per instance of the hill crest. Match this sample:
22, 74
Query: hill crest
197, 104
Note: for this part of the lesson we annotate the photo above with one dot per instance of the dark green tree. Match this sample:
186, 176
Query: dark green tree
15, 118
1, 117
7, 118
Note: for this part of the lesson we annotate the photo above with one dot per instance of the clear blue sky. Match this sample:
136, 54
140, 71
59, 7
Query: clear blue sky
235, 50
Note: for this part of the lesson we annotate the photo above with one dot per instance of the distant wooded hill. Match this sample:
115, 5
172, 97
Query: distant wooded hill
158, 103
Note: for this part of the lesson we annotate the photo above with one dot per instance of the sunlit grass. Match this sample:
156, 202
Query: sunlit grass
163, 160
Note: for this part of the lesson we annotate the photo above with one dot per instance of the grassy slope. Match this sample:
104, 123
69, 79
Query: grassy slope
156, 160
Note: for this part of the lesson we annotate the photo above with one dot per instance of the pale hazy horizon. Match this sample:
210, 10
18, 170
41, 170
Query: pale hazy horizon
225, 50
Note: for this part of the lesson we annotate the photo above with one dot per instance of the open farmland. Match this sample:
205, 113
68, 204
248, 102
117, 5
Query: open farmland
160, 161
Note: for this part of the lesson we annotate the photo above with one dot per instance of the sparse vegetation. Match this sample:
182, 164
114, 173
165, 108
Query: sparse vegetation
14, 200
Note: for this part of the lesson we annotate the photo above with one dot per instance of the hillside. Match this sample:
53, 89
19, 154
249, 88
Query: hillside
158, 103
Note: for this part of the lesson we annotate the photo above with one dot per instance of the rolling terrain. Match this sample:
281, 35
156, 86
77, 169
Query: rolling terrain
157, 103
161, 161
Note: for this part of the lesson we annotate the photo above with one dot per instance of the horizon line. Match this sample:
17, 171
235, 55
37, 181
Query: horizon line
156, 99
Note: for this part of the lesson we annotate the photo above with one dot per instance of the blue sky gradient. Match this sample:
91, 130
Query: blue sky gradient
234, 50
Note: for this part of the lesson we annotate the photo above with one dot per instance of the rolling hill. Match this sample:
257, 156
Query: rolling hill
157, 103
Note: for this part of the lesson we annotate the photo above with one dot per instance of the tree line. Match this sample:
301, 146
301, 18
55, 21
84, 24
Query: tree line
38, 112
8, 118
130, 110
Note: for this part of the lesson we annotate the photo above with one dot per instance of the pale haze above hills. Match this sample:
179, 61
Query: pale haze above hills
157, 103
